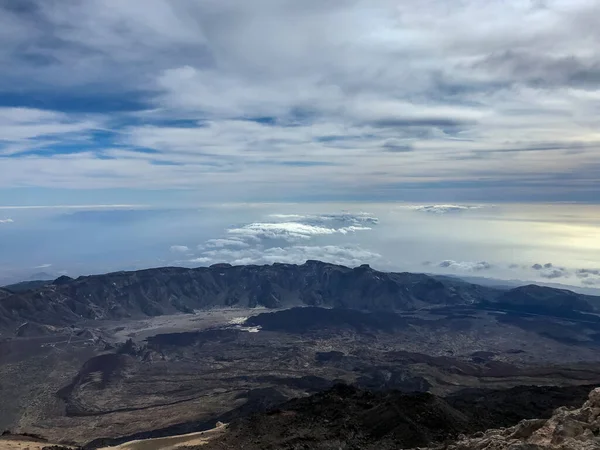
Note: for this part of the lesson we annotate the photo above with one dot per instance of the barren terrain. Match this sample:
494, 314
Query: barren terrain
125, 375
183, 373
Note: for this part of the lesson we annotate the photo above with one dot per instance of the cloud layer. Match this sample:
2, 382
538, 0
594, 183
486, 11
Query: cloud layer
539, 243
444, 209
466, 266
543, 272
353, 99
289, 238
588, 277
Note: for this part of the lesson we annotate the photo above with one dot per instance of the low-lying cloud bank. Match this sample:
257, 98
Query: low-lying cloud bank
466, 266
586, 276
287, 238
347, 255
288, 231
536, 271
444, 209
355, 238
550, 271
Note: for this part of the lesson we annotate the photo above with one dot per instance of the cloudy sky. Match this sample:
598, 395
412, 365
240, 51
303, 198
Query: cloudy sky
545, 243
158, 108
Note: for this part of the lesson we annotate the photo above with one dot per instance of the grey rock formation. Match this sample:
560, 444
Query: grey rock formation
567, 429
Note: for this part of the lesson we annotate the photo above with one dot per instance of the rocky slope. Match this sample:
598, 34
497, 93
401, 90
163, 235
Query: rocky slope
26, 286
349, 418
567, 429
168, 290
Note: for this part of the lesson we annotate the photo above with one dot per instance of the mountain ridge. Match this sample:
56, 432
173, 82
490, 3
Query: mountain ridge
168, 290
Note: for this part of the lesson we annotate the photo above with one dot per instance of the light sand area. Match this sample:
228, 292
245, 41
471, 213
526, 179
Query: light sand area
171, 442
22, 443
138, 330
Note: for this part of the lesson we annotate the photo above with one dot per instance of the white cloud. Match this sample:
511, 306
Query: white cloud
7, 221
351, 218
226, 254
289, 231
288, 216
352, 229
444, 209
22, 129
268, 242
358, 218
466, 266
43, 266
221, 243
200, 260
179, 249
347, 255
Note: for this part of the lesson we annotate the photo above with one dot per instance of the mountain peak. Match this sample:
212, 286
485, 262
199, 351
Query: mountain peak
64, 279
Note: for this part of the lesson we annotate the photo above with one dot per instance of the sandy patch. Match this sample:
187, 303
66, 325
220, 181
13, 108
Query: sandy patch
22, 443
171, 442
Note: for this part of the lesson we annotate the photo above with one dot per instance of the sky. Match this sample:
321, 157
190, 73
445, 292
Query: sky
542, 243
138, 114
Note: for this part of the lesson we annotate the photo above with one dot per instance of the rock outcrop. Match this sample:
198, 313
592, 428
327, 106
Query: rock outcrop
349, 418
567, 429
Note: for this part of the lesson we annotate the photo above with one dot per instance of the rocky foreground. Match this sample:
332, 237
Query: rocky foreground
352, 419
567, 429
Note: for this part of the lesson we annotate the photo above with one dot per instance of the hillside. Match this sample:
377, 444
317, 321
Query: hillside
350, 418
26, 285
261, 335
168, 290
566, 429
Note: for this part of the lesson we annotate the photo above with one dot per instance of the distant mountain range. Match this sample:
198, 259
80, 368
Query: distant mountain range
507, 284
168, 290
23, 286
